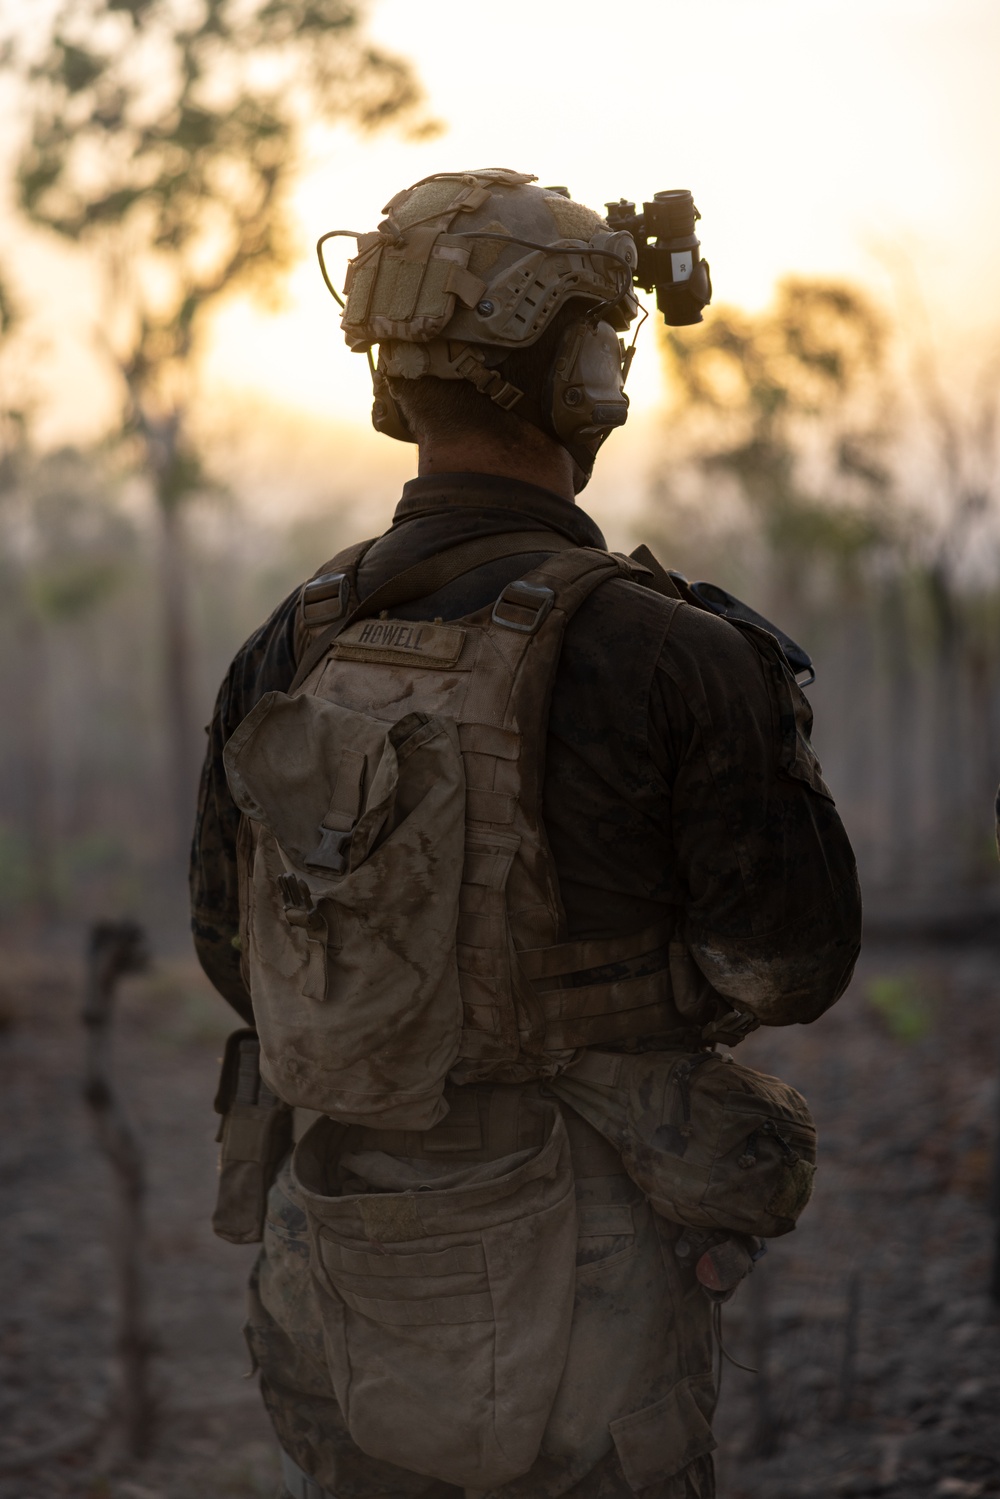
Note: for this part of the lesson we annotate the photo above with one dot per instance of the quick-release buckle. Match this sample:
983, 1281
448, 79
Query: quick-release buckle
299, 907
529, 603
326, 598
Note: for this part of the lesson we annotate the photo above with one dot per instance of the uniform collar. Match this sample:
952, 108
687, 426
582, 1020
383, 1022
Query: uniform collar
442, 493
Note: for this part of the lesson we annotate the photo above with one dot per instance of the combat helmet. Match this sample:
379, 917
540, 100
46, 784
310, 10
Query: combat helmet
468, 266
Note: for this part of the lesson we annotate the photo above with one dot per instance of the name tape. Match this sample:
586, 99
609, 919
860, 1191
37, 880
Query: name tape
401, 640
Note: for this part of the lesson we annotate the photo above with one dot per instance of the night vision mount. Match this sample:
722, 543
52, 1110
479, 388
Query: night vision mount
669, 260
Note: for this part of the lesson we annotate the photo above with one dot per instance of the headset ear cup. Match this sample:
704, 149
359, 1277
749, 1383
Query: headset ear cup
386, 415
586, 396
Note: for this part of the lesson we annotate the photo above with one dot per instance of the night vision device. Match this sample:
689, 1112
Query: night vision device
669, 253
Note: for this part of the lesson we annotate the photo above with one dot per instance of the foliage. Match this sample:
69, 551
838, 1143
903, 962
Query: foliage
791, 403
165, 135
66, 542
901, 1005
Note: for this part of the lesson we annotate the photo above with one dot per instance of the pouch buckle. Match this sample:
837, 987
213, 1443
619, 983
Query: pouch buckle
326, 598
296, 898
532, 599
730, 1029
329, 851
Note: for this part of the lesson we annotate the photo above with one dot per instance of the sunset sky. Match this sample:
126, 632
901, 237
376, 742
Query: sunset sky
815, 134
819, 137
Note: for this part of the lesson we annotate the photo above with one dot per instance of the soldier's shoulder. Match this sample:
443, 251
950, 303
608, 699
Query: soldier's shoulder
702, 652
690, 627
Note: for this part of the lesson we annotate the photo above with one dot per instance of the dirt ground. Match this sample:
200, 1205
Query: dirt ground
877, 1346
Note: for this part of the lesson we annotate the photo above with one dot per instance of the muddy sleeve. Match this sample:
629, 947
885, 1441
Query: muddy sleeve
772, 905
265, 663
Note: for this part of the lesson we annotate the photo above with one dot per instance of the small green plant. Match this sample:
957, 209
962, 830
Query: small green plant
902, 1006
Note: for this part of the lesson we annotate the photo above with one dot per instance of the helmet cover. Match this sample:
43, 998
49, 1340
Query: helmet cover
484, 258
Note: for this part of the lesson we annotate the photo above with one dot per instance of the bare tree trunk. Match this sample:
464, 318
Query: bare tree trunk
901, 738
178, 696
995, 1205
174, 476
984, 751
39, 790
949, 759
765, 1438
118, 948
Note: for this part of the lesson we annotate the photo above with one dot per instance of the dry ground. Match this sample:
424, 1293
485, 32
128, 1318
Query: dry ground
878, 1347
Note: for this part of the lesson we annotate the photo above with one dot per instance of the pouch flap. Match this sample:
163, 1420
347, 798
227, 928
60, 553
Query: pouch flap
283, 761
319, 777
663, 1439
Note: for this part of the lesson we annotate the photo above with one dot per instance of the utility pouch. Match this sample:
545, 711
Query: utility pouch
352, 874
446, 1282
713, 1144
255, 1135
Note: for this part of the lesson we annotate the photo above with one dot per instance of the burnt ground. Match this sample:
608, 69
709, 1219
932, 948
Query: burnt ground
877, 1345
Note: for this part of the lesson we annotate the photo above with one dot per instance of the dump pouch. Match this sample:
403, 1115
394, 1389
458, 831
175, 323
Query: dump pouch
445, 1285
713, 1144
255, 1135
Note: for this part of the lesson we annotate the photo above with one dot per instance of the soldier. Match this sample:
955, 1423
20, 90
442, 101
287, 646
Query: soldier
499, 834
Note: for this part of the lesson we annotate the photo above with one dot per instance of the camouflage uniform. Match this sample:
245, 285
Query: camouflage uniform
678, 791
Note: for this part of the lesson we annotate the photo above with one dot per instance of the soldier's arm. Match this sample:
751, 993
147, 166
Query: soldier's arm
773, 909
266, 663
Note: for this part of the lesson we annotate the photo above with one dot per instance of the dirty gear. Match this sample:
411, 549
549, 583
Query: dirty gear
679, 848
255, 1135
351, 942
638, 1313
713, 1144
679, 787
467, 266
484, 258
446, 1281
406, 749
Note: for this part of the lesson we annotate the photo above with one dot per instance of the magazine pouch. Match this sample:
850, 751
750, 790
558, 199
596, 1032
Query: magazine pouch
713, 1144
255, 1135
446, 1283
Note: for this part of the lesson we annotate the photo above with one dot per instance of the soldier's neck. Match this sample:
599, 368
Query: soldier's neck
538, 460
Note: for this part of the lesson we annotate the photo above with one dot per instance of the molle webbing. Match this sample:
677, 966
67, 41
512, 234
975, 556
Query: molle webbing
530, 998
606, 989
484, 1122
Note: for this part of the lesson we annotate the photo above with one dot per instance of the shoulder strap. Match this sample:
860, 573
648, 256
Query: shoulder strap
324, 596
567, 581
444, 567
423, 578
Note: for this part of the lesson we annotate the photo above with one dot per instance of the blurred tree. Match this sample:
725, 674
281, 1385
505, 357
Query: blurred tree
791, 403
957, 549
856, 460
164, 137
795, 406
35, 881
65, 548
